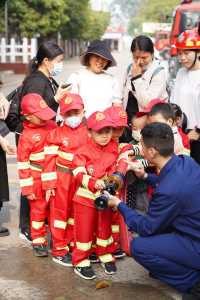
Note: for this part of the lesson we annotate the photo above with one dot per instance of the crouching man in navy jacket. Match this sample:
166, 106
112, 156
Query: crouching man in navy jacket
169, 234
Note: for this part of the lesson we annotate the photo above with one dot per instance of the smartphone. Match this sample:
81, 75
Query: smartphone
65, 85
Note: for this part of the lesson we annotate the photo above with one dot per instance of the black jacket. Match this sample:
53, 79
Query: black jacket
38, 83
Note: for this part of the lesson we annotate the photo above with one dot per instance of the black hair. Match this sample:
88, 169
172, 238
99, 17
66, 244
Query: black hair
48, 50
142, 43
165, 109
177, 110
159, 136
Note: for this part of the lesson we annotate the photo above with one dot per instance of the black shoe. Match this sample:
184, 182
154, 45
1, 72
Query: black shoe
109, 267
25, 236
65, 260
119, 253
93, 258
40, 250
85, 272
4, 231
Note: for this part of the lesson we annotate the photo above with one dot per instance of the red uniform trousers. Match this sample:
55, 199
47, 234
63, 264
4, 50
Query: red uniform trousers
38, 211
61, 212
92, 225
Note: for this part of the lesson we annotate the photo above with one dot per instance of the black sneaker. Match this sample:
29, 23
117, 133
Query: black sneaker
25, 236
109, 267
65, 260
119, 253
4, 231
93, 258
85, 272
40, 250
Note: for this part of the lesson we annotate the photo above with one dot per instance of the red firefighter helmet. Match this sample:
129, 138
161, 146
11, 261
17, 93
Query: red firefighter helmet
188, 40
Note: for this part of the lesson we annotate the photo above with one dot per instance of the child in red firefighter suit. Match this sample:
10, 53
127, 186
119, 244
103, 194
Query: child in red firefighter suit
94, 163
30, 157
58, 180
119, 118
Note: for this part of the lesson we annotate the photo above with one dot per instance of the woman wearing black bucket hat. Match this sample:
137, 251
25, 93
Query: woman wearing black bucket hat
98, 88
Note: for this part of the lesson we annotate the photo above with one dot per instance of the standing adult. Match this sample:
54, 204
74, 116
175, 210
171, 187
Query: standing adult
145, 79
98, 88
186, 91
47, 64
4, 189
169, 234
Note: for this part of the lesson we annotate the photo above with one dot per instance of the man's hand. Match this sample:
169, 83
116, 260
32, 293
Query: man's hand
31, 196
6, 146
100, 185
49, 193
137, 168
113, 200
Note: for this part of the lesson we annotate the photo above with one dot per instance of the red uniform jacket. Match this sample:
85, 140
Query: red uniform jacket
61, 145
30, 154
93, 162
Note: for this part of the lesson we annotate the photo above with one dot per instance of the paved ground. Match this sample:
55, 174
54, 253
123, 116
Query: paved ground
24, 277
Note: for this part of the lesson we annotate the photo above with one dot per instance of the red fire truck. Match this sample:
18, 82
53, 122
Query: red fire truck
186, 16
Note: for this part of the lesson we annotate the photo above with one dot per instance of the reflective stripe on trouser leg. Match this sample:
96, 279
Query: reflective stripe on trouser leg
38, 212
60, 209
84, 232
104, 242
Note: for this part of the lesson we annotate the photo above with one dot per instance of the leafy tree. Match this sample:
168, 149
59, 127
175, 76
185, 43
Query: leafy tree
98, 21
73, 19
152, 11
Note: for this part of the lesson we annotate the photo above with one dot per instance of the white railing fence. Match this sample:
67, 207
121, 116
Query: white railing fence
14, 52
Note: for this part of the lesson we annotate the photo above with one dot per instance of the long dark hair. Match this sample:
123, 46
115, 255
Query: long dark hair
142, 43
47, 49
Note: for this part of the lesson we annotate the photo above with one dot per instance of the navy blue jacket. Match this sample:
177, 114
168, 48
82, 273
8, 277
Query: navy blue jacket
175, 204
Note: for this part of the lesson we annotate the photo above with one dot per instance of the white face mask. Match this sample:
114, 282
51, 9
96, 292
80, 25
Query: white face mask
136, 135
74, 121
57, 69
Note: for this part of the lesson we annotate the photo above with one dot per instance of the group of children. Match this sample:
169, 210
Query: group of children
63, 169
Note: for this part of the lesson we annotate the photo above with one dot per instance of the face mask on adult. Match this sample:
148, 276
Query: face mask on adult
136, 135
57, 69
73, 121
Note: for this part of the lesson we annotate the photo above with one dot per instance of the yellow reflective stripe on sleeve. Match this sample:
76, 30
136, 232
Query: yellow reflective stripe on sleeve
63, 248
85, 181
104, 243
23, 165
87, 194
40, 240
48, 150
60, 224
26, 182
83, 263
84, 246
106, 258
37, 225
67, 156
70, 221
37, 156
115, 228
34, 168
49, 176
79, 170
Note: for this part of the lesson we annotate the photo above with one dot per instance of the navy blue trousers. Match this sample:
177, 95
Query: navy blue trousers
170, 258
